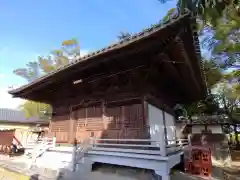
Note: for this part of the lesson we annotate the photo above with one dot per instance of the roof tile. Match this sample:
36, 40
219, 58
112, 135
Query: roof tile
135, 37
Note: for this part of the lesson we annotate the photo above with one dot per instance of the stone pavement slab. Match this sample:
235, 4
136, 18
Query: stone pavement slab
34, 172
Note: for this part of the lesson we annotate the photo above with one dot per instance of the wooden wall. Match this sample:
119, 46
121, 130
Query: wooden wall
123, 120
59, 125
6, 139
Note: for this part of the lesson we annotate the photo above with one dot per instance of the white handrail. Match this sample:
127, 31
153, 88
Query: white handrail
176, 145
140, 140
134, 146
142, 146
126, 145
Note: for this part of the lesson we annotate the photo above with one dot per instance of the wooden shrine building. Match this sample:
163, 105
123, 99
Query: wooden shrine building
123, 90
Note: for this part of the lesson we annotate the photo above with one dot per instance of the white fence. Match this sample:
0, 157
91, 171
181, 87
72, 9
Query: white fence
139, 146
136, 146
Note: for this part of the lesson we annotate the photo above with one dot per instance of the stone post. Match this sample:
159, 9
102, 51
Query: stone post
189, 139
163, 143
54, 141
74, 155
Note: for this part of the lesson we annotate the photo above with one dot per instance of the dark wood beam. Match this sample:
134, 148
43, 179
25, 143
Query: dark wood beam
159, 103
170, 68
102, 84
163, 80
187, 60
175, 54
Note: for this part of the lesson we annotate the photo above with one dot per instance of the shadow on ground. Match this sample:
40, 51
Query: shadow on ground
34, 177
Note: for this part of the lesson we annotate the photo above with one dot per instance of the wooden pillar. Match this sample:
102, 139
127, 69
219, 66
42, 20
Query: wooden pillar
72, 130
146, 119
74, 155
104, 118
205, 128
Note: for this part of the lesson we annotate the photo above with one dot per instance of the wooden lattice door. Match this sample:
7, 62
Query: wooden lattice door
126, 121
89, 121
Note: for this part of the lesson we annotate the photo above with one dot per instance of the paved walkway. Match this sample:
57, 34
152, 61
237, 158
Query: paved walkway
21, 167
84, 173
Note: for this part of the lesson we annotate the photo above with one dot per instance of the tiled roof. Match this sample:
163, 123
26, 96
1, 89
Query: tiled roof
136, 37
213, 119
11, 115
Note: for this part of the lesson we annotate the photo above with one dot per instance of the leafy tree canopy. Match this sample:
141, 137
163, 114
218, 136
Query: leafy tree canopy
69, 51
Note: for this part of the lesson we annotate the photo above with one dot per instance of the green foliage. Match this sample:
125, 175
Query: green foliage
213, 73
209, 105
169, 14
207, 10
71, 48
226, 97
228, 94
30, 73
46, 64
223, 40
233, 137
69, 51
219, 22
35, 109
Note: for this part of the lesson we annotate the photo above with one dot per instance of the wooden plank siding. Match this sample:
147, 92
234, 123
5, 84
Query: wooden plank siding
100, 120
6, 137
60, 128
89, 121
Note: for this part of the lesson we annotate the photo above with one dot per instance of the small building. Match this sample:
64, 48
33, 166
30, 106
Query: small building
123, 95
214, 124
208, 124
24, 128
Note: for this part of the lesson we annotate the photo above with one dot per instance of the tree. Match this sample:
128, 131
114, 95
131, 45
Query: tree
220, 34
209, 11
30, 73
213, 73
35, 109
209, 105
224, 40
71, 48
69, 51
228, 95
218, 24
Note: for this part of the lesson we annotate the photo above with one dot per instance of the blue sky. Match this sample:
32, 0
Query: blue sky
31, 28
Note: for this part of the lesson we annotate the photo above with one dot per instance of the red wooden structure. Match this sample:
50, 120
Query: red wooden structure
6, 141
197, 161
